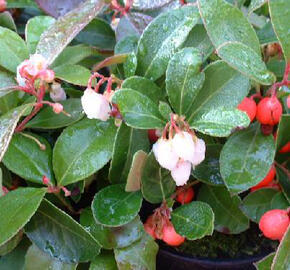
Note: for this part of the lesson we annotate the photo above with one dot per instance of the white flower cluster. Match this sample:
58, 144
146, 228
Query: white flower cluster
179, 154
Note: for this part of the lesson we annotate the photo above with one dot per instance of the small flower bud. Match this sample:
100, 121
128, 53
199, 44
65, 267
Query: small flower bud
181, 172
3, 5
47, 75
57, 93
57, 108
45, 180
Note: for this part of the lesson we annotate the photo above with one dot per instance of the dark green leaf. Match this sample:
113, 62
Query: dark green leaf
21, 4
9, 101
255, 4
165, 110
16, 209
258, 203
56, 233
276, 66
25, 158
283, 178
104, 261
12, 243
7, 81
130, 65
193, 220
127, 142
265, 263
48, 119
157, 183
6, 20
126, 45
266, 34
209, 170
13, 49
283, 136
138, 110
82, 149
246, 159
162, 38
183, 79
279, 201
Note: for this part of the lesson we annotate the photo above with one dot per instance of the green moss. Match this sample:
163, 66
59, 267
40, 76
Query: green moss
220, 245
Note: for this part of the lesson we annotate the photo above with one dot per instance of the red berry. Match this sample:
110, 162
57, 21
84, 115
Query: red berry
170, 236
152, 135
248, 106
267, 180
269, 111
149, 227
274, 223
285, 148
184, 195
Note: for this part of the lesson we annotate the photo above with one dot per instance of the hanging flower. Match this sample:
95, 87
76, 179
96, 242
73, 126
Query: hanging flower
57, 93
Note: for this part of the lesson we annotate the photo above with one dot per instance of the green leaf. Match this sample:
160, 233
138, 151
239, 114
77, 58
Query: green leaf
12, 243
63, 31
193, 220
145, 87
13, 49
7, 81
280, 12
98, 33
16, 209
126, 45
8, 123
105, 261
281, 260
82, 149
130, 65
276, 66
112, 206
36, 259
165, 110
7, 21
220, 122
209, 170
25, 158
265, 263
279, 201
162, 38
223, 85
134, 176
183, 79
283, 179
21, 4
138, 110
48, 119
150, 5
73, 74
56, 233
283, 136
228, 218
266, 34
255, 4
257, 203
139, 256
127, 142
34, 28
246, 61
157, 183
225, 23
246, 159
9, 101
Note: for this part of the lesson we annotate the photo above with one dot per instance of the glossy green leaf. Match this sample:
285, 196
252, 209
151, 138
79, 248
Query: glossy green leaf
184, 79
134, 176
255, 4
12, 243
7, 81
276, 66
265, 263
225, 23
7, 21
34, 28
162, 38
246, 61
150, 4
130, 65
283, 179
209, 170
63, 31
266, 34
138, 110
228, 218
82, 149
280, 12
157, 183
220, 122
193, 220
25, 158
36, 259
112, 206
281, 260
73, 74
97, 33
48, 119
104, 261
16, 209
257, 203
145, 87
165, 110
246, 158
139, 256
283, 136
13, 49
59, 235
21, 3
9, 101
223, 85
8, 123
279, 201
127, 142
126, 45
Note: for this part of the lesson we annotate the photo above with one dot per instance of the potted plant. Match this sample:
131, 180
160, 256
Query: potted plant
138, 130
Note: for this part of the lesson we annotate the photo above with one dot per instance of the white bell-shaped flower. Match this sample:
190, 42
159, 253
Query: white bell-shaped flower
181, 172
37, 63
183, 145
164, 154
95, 105
199, 153
57, 93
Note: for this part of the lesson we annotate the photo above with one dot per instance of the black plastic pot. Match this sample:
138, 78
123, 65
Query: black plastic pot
171, 260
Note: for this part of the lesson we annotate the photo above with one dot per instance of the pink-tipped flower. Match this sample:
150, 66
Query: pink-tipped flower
57, 108
45, 180
47, 75
181, 172
57, 93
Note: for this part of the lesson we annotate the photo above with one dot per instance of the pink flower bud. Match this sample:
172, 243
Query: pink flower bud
57, 93
47, 75
181, 172
57, 108
45, 180
3, 5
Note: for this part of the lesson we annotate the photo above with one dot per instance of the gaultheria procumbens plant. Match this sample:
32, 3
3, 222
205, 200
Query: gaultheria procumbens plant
107, 104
